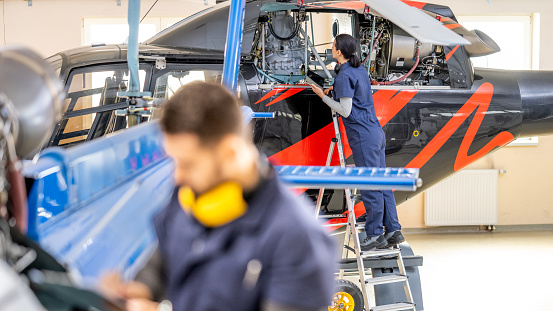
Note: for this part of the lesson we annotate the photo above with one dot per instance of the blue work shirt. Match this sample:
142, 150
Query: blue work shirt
206, 268
355, 83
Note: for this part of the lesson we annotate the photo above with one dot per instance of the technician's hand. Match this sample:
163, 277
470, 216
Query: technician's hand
141, 304
113, 286
317, 90
327, 91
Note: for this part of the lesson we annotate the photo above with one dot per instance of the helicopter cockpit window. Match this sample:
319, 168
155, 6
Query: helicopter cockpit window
91, 104
169, 83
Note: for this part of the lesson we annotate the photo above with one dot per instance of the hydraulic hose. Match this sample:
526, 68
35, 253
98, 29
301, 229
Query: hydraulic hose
292, 35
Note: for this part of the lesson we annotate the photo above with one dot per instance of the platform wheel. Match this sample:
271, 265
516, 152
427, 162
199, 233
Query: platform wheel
347, 297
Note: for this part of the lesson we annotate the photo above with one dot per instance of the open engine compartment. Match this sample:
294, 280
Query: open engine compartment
394, 54
284, 50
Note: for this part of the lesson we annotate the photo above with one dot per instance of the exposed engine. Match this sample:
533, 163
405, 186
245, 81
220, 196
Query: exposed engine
283, 51
281, 47
393, 57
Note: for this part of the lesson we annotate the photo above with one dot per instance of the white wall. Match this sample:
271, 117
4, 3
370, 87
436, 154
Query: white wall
50, 26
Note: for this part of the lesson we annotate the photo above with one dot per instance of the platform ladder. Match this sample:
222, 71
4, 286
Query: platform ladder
351, 231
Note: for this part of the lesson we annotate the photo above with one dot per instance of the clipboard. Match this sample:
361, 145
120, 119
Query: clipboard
313, 78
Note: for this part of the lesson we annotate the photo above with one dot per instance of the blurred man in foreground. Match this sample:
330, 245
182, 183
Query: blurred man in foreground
232, 236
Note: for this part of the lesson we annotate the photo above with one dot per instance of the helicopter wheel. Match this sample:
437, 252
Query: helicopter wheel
348, 297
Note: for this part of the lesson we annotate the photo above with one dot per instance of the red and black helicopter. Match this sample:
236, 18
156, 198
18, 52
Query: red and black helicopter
439, 113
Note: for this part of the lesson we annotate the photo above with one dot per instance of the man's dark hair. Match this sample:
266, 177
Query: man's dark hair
204, 109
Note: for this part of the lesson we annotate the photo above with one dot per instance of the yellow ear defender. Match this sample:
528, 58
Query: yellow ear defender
217, 207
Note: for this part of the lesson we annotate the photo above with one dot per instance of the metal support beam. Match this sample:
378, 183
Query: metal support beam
314, 51
132, 52
263, 67
233, 44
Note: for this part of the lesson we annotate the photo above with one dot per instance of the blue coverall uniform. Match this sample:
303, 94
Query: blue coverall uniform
207, 268
368, 143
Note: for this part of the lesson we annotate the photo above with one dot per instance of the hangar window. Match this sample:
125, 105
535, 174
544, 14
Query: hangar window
515, 35
518, 38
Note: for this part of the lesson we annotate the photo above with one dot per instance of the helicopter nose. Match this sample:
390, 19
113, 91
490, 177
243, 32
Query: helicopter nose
536, 91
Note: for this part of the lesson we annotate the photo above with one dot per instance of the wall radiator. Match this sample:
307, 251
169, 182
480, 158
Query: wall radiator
466, 198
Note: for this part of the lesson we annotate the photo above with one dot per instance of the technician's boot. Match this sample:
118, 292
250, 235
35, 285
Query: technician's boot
395, 237
372, 242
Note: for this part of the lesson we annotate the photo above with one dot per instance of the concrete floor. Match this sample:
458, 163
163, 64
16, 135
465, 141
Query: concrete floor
486, 270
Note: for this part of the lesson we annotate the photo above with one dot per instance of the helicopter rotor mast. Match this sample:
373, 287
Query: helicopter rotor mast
134, 95
233, 44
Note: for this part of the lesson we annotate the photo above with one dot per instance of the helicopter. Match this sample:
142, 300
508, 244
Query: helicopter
438, 112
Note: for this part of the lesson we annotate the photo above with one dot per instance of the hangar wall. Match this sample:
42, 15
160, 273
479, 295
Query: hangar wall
50, 26
524, 190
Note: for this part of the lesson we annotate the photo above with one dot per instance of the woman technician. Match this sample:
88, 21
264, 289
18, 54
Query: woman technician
352, 89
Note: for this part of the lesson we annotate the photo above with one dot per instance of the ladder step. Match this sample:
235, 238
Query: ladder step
395, 307
381, 252
386, 279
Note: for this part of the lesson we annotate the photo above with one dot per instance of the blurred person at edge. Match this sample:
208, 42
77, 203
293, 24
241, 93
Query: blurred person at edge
232, 236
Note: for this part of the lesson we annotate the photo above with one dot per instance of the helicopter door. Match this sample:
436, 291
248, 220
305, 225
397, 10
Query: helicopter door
91, 103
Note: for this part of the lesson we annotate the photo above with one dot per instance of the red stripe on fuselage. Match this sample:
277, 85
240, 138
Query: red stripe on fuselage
452, 26
500, 140
480, 99
285, 95
312, 150
268, 95
448, 56
387, 106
